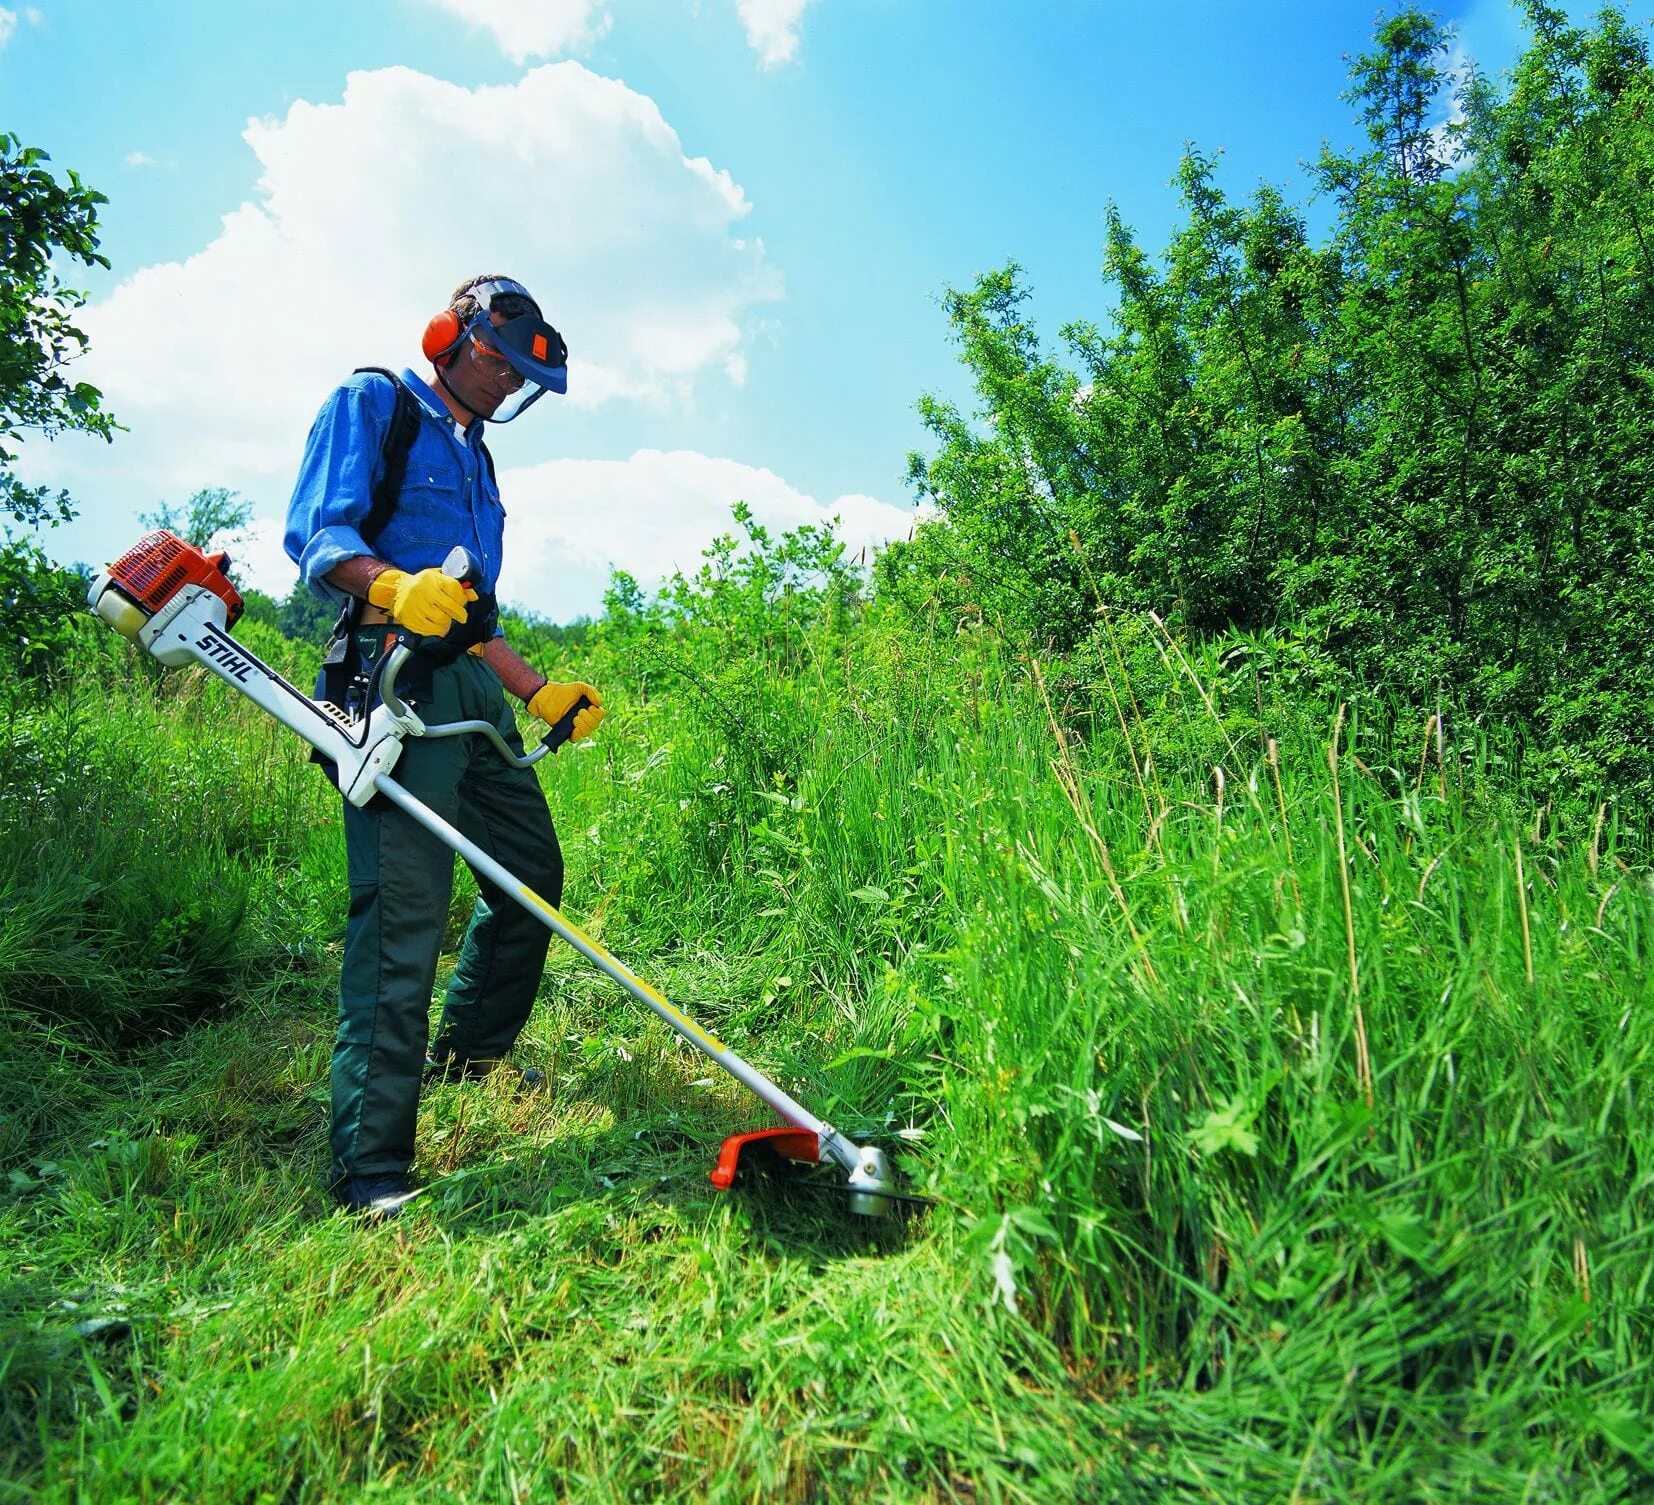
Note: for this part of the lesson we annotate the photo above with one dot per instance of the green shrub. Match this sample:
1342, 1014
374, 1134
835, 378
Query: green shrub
1422, 446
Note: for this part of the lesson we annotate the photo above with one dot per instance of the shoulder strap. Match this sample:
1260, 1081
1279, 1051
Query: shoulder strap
393, 455
487, 455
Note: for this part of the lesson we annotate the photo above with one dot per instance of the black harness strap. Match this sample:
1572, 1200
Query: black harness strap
393, 472
393, 455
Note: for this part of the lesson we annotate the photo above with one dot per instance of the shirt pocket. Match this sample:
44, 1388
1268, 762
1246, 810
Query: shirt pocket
430, 519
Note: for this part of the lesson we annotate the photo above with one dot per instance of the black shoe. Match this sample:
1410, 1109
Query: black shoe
376, 1197
479, 1068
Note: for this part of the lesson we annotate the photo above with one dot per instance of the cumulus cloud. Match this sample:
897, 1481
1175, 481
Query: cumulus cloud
352, 239
569, 521
1447, 134
367, 213
139, 159
10, 18
258, 558
772, 28
529, 29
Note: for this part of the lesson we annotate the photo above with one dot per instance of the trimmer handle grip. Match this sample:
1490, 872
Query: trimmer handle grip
464, 566
563, 729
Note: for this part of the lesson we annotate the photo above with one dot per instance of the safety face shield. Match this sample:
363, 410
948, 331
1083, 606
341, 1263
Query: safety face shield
524, 357
504, 358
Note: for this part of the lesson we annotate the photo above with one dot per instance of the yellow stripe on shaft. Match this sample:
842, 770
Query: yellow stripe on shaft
675, 1014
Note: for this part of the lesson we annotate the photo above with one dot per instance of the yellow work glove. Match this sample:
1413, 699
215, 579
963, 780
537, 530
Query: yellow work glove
428, 603
552, 702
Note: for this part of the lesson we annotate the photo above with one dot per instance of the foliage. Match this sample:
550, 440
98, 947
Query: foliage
37, 598
304, 616
41, 218
538, 639
115, 937
1424, 445
258, 607
1283, 1109
761, 619
213, 515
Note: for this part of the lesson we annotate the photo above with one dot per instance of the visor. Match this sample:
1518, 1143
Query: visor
535, 350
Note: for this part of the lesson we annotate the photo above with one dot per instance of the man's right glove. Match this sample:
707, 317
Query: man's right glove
428, 603
551, 703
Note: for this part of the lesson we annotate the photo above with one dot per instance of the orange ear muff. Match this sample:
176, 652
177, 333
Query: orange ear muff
442, 336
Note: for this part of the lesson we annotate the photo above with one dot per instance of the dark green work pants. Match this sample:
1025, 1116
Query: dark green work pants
401, 878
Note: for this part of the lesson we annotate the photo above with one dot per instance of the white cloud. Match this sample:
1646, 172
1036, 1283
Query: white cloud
574, 183
367, 214
531, 29
1446, 135
9, 19
139, 159
772, 28
568, 521
528, 29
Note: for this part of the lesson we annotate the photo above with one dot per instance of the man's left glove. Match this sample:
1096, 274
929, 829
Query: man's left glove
552, 702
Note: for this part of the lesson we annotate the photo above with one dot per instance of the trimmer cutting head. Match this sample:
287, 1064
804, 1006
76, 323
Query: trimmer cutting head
871, 1185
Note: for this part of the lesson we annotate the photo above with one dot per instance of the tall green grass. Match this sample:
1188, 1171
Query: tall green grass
1280, 1077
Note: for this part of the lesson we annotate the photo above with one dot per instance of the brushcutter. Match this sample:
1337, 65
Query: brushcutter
178, 603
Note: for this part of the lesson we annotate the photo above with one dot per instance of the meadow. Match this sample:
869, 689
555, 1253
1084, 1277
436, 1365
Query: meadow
1279, 1080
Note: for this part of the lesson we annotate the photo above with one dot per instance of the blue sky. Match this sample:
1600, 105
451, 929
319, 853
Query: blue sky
740, 213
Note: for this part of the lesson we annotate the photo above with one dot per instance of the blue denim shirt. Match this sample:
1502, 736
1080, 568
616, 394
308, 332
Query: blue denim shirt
447, 498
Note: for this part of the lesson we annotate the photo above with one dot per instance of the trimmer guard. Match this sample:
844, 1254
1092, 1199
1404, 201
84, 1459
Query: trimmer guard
789, 1143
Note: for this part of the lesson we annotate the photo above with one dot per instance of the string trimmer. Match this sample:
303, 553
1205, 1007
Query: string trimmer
178, 604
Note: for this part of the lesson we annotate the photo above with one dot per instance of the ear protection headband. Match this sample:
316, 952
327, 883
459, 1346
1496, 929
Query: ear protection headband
445, 332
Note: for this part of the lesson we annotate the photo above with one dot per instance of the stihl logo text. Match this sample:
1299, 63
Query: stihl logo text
225, 656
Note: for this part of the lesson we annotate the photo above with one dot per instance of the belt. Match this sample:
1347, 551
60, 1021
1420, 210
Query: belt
377, 616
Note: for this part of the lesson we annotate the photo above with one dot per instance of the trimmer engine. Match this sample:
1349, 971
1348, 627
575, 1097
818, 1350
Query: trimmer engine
150, 575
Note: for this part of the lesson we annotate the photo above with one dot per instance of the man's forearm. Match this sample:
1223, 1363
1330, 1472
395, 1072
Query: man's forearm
353, 576
518, 676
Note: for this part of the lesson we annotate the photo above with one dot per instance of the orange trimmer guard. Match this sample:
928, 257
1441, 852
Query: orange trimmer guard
789, 1143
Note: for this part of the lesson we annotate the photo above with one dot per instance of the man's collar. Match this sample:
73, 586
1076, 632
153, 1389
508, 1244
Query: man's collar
433, 403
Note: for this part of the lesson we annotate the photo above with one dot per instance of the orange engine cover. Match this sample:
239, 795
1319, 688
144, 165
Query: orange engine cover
160, 565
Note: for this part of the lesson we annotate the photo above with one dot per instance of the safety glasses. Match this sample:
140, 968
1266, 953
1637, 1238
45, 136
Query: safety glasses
492, 365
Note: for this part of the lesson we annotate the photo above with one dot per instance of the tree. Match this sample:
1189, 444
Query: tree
41, 218
305, 617
213, 512
1424, 445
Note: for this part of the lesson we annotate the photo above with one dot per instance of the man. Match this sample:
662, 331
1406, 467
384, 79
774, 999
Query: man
391, 481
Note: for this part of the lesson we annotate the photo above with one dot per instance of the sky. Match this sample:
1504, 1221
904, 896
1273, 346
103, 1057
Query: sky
741, 214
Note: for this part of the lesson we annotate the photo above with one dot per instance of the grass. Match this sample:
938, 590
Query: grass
1286, 1114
